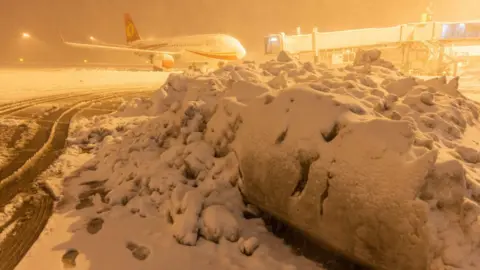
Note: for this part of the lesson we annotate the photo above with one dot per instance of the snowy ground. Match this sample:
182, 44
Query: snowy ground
19, 84
14, 135
157, 185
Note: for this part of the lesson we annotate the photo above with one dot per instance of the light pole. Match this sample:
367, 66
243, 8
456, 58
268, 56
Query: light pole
24, 36
95, 40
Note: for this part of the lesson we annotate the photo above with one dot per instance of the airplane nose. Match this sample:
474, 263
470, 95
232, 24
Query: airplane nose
241, 52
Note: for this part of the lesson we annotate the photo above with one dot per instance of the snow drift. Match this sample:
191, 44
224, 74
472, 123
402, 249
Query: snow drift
349, 160
376, 165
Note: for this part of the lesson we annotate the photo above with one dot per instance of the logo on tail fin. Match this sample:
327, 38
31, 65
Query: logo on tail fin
130, 29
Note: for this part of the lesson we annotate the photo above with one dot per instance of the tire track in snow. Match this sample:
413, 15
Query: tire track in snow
11, 104
38, 140
24, 104
14, 106
36, 212
46, 124
34, 215
24, 170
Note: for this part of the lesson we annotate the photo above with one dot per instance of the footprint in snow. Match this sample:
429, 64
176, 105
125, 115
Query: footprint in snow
94, 225
138, 252
69, 257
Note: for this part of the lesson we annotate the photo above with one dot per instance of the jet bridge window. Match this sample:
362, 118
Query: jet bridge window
472, 30
460, 30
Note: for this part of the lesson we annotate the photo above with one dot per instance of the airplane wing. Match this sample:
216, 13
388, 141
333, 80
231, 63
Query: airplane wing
117, 48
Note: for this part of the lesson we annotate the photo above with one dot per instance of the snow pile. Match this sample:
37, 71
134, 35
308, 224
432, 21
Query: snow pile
134, 107
185, 177
371, 57
379, 166
149, 170
376, 171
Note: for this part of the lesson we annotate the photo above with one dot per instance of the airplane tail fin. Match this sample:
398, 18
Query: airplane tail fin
130, 29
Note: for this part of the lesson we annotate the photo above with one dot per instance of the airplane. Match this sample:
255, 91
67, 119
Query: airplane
163, 53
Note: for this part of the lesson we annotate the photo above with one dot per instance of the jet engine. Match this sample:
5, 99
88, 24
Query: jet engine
162, 61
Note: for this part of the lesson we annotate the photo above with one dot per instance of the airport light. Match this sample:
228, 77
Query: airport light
25, 35
95, 40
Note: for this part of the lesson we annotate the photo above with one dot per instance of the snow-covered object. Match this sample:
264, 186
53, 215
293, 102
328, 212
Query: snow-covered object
248, 246
379, 166
218, 221
371, 57
186, 220
335, 164
284, 56
326, 162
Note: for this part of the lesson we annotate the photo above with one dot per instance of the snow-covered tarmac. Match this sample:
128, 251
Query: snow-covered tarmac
130, 232
17, 84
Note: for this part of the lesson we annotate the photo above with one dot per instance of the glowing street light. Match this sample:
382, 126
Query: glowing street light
85, 61
20, 59
26, 35
92, 38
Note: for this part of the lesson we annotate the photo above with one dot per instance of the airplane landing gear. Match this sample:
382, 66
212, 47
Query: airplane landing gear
155, 68
151, 61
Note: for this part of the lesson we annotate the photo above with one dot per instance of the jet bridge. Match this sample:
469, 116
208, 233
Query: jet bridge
423, 48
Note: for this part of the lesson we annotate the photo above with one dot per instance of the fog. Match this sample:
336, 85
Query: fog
248, 20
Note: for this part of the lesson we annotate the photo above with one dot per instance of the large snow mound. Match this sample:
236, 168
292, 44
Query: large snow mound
379, 166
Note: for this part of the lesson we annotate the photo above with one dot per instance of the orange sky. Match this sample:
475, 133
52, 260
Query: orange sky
248, 20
